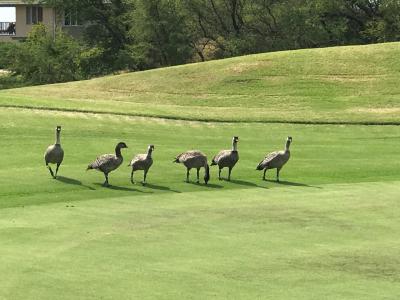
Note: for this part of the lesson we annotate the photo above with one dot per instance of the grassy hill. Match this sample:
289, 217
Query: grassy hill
356, 84
329, 230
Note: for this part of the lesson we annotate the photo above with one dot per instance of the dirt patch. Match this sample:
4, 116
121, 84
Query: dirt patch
375, 110
344, 78
248, 66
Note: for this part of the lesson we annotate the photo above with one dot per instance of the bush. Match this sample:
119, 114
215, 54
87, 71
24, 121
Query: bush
44, 59
6, 49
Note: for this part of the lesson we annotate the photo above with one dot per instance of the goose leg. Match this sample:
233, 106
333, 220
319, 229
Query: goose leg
58, 165
51, 171
106, 182
229, 174
132, 177
187, 174
144, 176
219, 173
277, 174
198, 177
265, 171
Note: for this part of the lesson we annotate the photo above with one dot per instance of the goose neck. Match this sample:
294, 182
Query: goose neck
287, 146
234, 146
149, 152
58, 139
118, 151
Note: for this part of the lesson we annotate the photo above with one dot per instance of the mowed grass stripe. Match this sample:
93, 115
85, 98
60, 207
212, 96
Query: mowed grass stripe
320, 155
182, 118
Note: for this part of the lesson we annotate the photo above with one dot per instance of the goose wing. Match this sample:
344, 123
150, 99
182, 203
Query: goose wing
188, 155
137, 158
106, 162
268, 159
271, 156
140, 161
220, 156
275, 159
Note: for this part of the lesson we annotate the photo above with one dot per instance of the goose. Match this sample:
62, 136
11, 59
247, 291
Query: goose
54, 153
194, 159
142, 162
276, 160
107, 163
227, 158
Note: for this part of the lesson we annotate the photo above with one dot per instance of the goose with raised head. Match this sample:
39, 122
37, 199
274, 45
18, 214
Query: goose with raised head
142, 162
54, 153
194, 159
276, 160
227, 158
107, 163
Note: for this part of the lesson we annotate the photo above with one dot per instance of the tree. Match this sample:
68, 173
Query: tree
42, 59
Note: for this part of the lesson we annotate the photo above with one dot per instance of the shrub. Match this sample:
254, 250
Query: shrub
6, 49
44, 59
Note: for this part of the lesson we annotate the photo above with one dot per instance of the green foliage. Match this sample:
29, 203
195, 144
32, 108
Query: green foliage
42, 59
143, 34
10, 81
92, 62
6, 50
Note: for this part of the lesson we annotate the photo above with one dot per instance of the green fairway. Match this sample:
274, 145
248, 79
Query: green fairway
321, 232
335, 242
329, 230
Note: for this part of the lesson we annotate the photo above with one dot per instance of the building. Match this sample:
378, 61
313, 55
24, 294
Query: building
29, 14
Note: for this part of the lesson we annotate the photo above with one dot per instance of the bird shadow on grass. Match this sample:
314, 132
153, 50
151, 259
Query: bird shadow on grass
209, 185
67, 180
121, 188
159, 187
289, 183
245, 183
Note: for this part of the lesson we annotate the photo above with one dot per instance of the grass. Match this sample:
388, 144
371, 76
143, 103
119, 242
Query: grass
356, 84
327, 231
323, 232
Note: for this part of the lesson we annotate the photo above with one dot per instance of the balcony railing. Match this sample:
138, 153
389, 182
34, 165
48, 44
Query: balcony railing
7, 28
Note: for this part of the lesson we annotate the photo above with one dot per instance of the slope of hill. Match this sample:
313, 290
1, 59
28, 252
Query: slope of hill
356, 84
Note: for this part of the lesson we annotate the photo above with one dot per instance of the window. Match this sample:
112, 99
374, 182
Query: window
71, 18
34, 15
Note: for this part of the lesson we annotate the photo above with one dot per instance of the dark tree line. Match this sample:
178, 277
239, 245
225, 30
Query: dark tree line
143, 34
